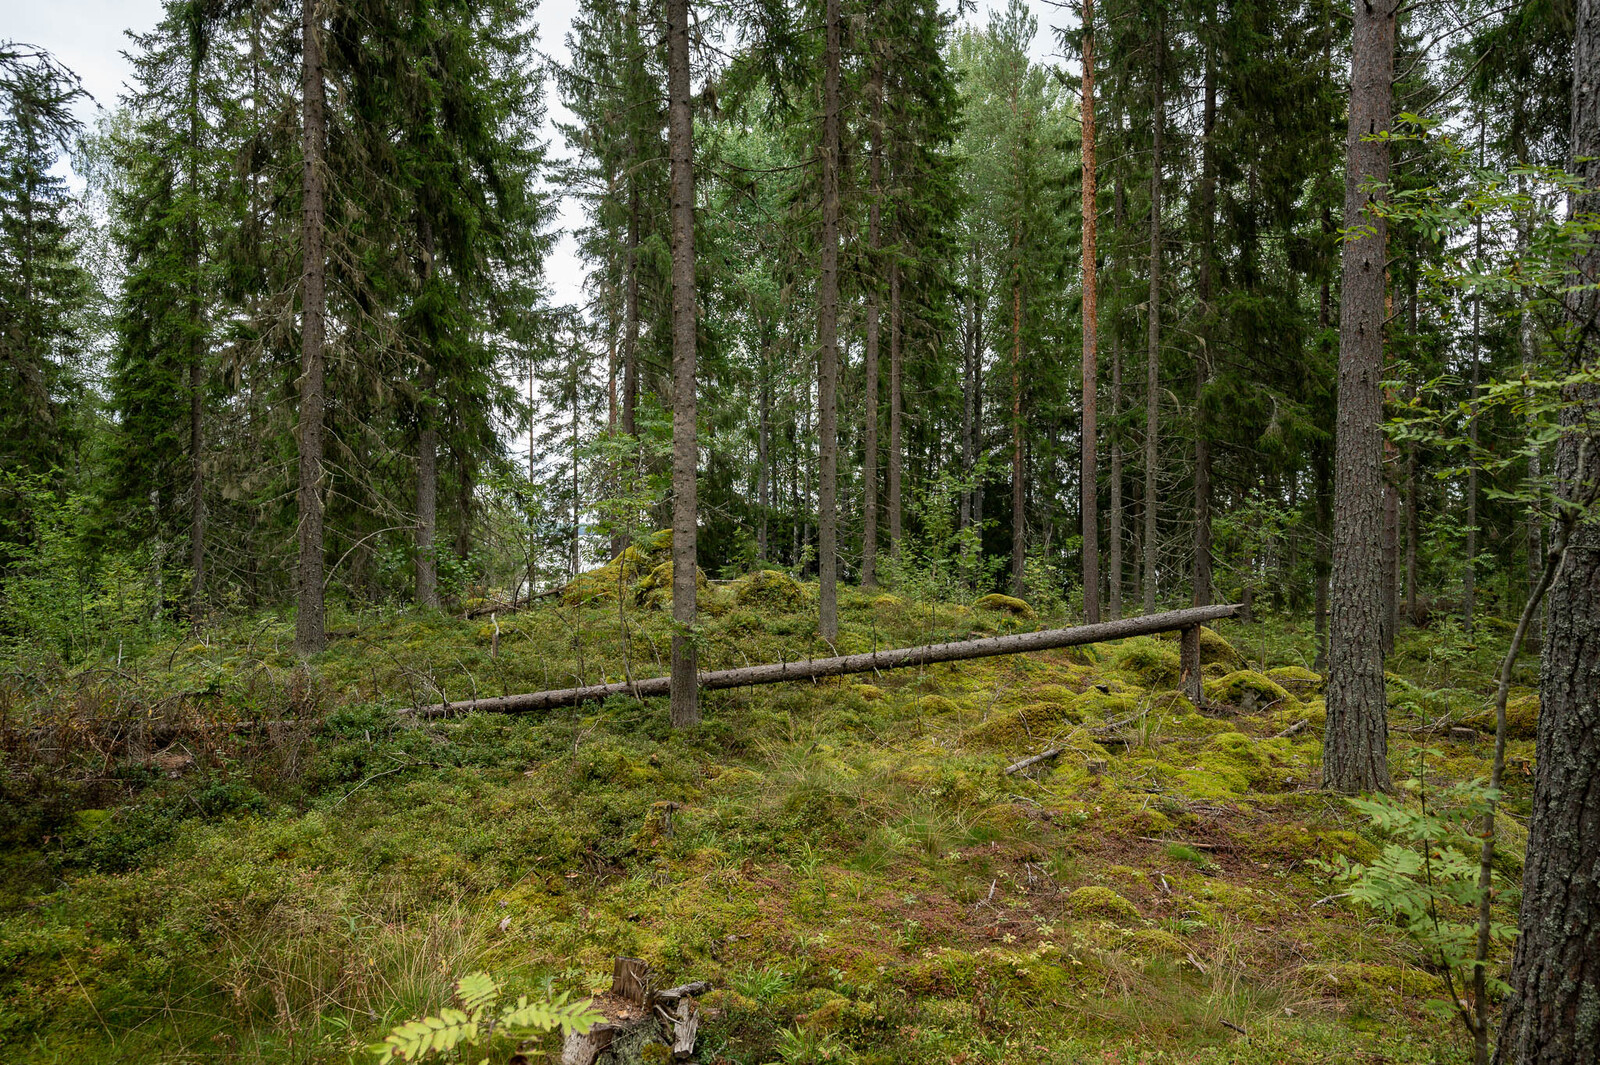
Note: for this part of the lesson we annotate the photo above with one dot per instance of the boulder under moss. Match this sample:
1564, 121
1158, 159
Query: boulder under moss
1297, 680
655, 590
1153, 663
1522, 718
1098, 901
1005, 604
769, 589
1248, 690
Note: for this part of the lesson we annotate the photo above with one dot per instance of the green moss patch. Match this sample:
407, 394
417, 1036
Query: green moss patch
1248, 690
1005, 604
769, 589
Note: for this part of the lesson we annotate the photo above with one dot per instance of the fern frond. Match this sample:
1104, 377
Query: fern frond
477, 990
542, 1016
415, 1040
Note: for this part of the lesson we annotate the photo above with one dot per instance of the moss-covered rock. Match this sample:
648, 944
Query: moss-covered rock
1215, 649
1153, 942
1005, 604
1098, 901
1248, 690
769, 589
1522, 718
655, 590
1297, 680
888, 603
1372, 987
1153, 663
1035, 721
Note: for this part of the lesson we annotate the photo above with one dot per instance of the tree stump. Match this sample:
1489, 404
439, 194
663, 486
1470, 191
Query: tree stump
637, 1017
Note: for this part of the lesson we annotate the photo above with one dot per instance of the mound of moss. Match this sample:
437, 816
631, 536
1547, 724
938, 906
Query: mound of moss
1034, 721
655, 590
1005, 604
1152, 662
1522, 718
1247, 690
1297, 680
1098, 901
769, 589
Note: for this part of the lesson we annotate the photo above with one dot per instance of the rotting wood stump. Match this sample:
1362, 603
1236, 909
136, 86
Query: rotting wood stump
637, 1016
1187, 622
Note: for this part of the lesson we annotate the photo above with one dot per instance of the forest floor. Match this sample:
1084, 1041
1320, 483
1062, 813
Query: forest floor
845, 862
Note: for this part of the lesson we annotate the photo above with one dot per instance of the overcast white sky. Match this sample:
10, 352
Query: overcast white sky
90, 36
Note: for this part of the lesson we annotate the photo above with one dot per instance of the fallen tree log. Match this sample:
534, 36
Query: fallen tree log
868, 662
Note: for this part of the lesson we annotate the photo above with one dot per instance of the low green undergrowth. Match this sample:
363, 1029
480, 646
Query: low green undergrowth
215, 852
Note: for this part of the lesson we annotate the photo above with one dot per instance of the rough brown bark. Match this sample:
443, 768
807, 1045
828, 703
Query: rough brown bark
310, 633
1152, 397
1552, 1014
1089, 484
870, 662
1356, 742
869, 403
827, 336
685, 448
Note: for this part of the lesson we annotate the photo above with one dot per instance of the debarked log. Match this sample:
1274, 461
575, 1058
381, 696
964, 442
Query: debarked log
868, 662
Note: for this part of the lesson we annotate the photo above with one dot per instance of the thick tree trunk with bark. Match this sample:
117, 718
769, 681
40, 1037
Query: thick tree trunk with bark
1152, 397
1552, 1014
828, 337
869, 403
1089, 486
310, 632
685, 448
1356, 741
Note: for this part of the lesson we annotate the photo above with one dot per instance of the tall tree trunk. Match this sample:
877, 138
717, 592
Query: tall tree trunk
1019, 525
685, 695
310, 630
1089, 481
1203, 592
1356, 741
1152, 399
869, 403
827, 336
896, 423
1552, 1014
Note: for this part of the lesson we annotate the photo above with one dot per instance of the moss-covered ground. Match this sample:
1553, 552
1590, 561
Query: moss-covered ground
846, 861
